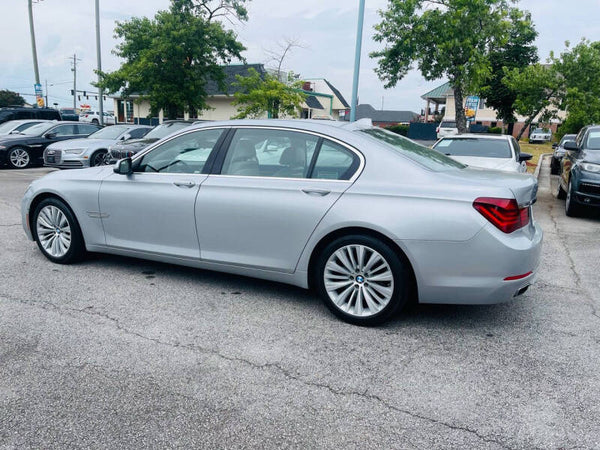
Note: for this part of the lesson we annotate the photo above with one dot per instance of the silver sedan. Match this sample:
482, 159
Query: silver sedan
367, 218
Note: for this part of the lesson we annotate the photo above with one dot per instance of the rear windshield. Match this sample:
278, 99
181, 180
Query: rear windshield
67, 111
418, 153
485, 148
448, 125
567, 137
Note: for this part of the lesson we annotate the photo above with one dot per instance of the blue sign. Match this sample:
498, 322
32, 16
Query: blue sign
471, 107
38, 90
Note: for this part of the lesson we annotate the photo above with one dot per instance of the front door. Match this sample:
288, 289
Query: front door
152, 210
272, 190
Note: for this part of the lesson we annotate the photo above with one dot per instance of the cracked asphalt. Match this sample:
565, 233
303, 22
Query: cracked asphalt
121, 353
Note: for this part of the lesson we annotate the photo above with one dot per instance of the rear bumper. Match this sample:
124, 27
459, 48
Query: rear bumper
473, 272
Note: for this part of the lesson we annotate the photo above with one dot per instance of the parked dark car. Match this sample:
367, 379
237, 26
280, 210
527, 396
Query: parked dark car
22, 150
69, 114
579, 181
133, 146
559, 153
18, 113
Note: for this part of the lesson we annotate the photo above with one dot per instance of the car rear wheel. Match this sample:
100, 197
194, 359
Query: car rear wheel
98, 158
57, 232
19, 158
95, 121
572, 209
362, 280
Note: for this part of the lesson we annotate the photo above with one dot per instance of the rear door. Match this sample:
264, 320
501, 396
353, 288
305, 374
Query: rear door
271, 188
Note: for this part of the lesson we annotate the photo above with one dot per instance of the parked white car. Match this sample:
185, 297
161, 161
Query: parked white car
540, 135
446, 128
498, 152
94, 117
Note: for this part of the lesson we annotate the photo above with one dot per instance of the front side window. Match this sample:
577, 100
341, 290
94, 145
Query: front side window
64, 130
187, 153
270, 153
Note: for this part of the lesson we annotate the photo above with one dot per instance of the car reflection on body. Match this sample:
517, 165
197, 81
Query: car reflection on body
559, 153
367, 218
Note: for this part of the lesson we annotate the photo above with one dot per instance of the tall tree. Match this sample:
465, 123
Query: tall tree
446, 38
258, 95
518, 51
10, 98
170, 59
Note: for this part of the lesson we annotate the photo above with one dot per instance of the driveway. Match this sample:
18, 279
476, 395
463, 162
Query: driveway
121, 353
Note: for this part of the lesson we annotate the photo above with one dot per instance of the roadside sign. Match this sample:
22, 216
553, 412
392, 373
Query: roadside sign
471, 107
39, 95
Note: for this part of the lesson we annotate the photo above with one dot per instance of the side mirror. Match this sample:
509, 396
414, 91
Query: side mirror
124, 167
525, 156
571, 145
50, 135
555, 145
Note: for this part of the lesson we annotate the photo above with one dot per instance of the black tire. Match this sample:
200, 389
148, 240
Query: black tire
18, 158
398, 267
98, 158
95, 121
572, 209
560, 192
76, 250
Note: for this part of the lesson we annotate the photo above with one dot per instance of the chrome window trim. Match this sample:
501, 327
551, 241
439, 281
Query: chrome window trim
259, 177
352, 179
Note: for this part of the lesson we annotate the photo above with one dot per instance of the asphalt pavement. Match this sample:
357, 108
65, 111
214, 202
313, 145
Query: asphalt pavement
121, 353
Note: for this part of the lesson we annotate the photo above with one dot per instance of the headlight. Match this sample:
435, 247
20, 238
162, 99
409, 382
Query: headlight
589, 167
74, 151
2, 147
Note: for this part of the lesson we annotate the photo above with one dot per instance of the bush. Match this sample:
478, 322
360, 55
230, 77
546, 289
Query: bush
495, 130
398, 129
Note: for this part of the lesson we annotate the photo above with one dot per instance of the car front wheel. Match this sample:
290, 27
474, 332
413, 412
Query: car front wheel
362, 280
98, 158
572, 209
57, 232
19, 158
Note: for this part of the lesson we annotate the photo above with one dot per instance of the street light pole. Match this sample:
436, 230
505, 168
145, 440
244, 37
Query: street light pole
359, 30
33, 49
98, 56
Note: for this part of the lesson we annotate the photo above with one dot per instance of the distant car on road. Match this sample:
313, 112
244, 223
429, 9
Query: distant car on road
124, 149
69, 114
94, 117
20, 113
500, 152
559, 153
540, 135
16, 126
366, 217
446, 128
26, 148
92, 150
579, 181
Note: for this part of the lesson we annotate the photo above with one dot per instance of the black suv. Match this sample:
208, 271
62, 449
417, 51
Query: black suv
18, 113
579, 180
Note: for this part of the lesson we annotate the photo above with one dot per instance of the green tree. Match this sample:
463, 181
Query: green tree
446, 38
266, 94
10, 98
170, 59
516, 52
579, 96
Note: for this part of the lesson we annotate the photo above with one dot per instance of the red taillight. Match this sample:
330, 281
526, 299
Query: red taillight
503, 213
518, 277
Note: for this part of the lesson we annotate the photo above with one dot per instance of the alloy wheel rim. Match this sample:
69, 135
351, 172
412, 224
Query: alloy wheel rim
99, 159
358, 280
19, 158
53, 231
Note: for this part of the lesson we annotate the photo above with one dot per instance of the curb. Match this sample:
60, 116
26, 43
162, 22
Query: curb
539, 164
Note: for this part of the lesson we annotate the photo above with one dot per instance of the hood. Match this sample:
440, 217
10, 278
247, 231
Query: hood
90, 173
81, 143
523, 186
488, 163
14, 137
134, 144
592, 156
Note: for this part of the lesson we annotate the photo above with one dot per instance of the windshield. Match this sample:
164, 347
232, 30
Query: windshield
165, 129
541, 130
7, 127
483, 148
593, 140
38, 129
109, 132
416, 152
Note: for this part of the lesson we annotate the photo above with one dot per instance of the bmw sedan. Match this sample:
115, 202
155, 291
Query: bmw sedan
367, 218
92, 150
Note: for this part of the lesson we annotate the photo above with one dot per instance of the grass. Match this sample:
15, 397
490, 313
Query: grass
536, 150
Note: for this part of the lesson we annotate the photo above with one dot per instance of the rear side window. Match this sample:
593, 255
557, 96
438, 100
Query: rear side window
485, 148
335, 162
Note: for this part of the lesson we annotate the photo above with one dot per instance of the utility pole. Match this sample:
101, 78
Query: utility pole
33, 48
359, 30
47, 104
74, 70
99, 57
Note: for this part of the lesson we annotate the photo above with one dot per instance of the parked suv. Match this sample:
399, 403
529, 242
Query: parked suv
94, 117
540, 135
20, 113
579, 181
559, 153
446, 128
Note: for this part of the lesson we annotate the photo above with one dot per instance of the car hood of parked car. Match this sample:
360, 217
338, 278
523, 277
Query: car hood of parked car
592, 156
488, 163
82, 143
12, 138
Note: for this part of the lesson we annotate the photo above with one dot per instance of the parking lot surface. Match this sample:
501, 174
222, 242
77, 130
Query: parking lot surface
122, 353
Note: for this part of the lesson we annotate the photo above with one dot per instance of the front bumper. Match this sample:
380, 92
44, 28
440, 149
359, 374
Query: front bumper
587, 189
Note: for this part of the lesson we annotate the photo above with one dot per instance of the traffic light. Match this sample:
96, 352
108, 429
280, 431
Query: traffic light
72, 92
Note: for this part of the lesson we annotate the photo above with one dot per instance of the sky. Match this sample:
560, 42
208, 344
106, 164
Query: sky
326, 30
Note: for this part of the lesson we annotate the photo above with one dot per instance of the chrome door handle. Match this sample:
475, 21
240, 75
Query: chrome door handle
187, 184
317, 192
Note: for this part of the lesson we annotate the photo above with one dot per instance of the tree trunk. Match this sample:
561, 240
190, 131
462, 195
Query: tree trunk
511, 128
527, 123
461, 119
